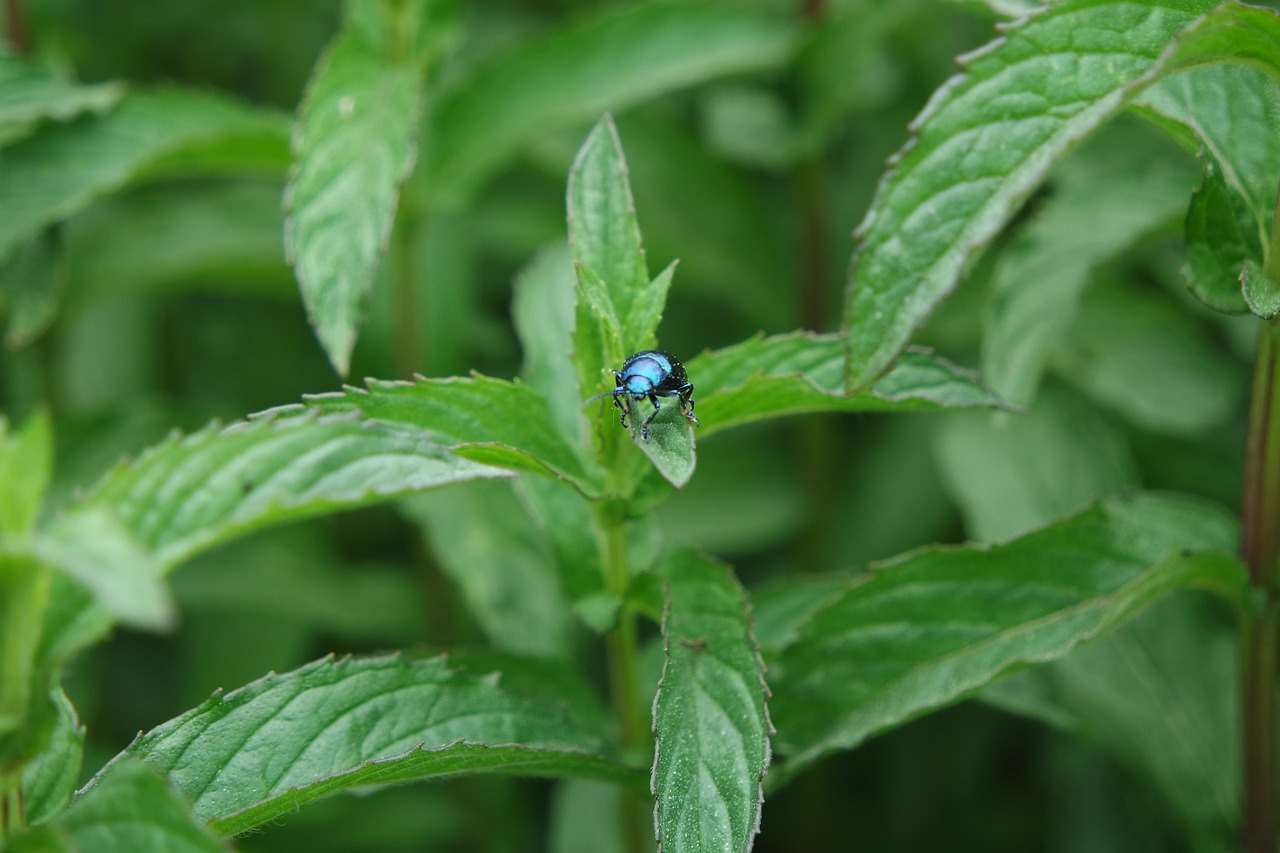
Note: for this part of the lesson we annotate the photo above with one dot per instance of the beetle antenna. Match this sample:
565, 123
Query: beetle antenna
613, 393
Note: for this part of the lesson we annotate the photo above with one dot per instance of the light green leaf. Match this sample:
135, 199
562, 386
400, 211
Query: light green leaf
24, 589
354, 145
603, 233
923, 632
802, 372
26, 463
1123, 184
670, 446
488, 546
224, 238
129, 810
983, 144
61, 169
543, 312
487, 420
1231, 112
575, 74
191, 492
597, 332
29, 93
1233, 33
564, 518
1261, 292
1011, 473
710, 717
49, 781
1143, 355
1160, 693
334, 725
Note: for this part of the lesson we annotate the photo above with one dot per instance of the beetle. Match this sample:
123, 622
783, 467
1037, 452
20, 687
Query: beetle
650, 374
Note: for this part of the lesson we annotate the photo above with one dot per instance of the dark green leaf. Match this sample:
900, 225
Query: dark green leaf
802, 372
24, 585
573, 75
29, 93
129, 810
334, 725
32, 283
49, 781
1233, 33
487, 420
1220, 240
710, 717
923, 632
63, 168
981, 147
355, 144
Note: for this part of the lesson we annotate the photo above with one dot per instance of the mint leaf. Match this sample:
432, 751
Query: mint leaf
922, 632
334, 725
354, 145
983, 144
709, 714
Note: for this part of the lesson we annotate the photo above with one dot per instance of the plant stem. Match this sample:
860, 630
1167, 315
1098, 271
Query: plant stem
620, 645
1260, 548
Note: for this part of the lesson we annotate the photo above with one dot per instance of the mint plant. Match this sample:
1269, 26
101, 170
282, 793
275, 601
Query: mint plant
670, 694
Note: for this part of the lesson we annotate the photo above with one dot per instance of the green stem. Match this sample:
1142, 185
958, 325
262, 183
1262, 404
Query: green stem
1260, 548
620, 646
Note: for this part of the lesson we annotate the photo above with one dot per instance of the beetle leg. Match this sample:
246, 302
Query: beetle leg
626, 409
644, 427
686, 403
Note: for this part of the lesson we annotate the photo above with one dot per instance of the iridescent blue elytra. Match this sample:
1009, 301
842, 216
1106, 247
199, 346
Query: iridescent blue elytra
649, 375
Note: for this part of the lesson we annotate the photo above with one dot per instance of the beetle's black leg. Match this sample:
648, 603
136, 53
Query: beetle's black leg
626, 410
686, 403
644, 427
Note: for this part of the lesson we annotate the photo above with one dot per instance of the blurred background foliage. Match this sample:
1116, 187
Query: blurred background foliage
169, 302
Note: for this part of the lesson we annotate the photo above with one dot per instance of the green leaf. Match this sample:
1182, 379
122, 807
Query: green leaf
354, 145
802, 372
575, 74
922, 632
1233, 33
543, 311
597, 331
1231, 112
29, 93
1159, 693
335, 725
223, 238
508, 576
709, 716
189, 493
61, 169
32, 283
24, 588
129, 810
487, 420
1143, 355
49, 781
1124, 183
983, 144
564, 518
26, 463
1009, 474
1261, 292
603, 233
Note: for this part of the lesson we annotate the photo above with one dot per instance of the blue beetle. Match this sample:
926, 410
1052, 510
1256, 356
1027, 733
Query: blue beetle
651, 374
